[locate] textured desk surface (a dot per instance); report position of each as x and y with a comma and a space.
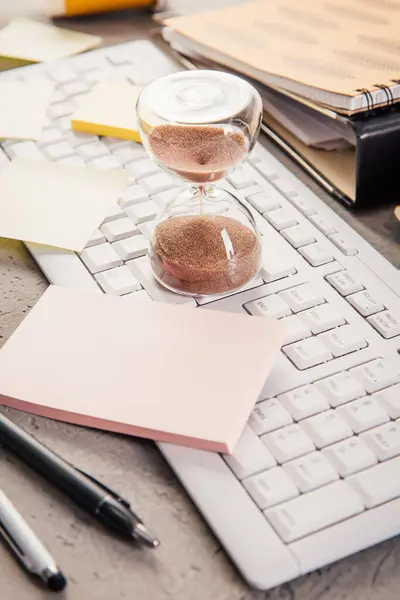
190, 565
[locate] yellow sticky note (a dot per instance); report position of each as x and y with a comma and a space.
23, 107
54, 204
32, 41
109, 109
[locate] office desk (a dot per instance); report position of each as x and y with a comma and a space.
190, 565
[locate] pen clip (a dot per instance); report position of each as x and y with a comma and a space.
106, 489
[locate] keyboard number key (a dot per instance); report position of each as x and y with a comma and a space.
269, 415
364, 414
288, 443
326, 428
350, 456
304, 402
384, 441
340, 388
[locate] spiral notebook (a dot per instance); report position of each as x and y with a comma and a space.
344, 54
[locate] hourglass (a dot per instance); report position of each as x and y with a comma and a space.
199, 126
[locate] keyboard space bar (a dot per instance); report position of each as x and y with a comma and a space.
241, 527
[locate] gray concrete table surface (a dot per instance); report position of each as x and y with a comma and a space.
190, 564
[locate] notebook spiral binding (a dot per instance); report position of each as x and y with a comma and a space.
368, 98
388, 92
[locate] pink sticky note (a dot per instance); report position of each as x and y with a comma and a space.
169, 373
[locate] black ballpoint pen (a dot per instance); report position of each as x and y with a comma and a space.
90, 495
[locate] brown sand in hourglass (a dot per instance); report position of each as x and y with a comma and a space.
204, 254
200, 154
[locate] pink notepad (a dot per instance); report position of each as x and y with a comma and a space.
170, 373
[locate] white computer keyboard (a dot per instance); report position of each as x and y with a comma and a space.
316, 473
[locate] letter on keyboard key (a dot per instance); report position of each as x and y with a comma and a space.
288, 443
379, 484
344, 283
269, 306
301, 297
281, 218
131, 247
311, 471
384, 441
141, 268
307, 353
250, 456
321, 318
304, 402
298, 236
363, 414
316, 254
269, 415
270, 488
350, 456
118, 281
265, 201
386, 323
343, 340
326, 428
340, 388
100, 258
390, 400
314, 511
365, 303
376, 375
276, 265
343, 244
294, 330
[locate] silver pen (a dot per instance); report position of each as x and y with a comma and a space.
27, 547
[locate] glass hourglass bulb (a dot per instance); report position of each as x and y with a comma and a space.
199, 126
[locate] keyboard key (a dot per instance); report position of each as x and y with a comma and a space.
61, 73
288, 443
61, 109
343, 340
147, 229
284, 186
379, 484
344, 244
76, 161
304, 402
242, 177
365, 303
106, 163
314, 511
323, 224
118, 281
114, 213
281, 218
269, 306
142, 168
250, 456
100, 258
270, 488
77, 138
163, 198
307, 353
276, 264
142, 212
321, 318
302, 297
133, 195
304, 205
311, 471
384, 441
128, 154
340, 388
386, 323
265, 201
364, 414
269, 415
97, 238
157, 183
316, 254
344, 283
294, 330
326, 428
132, 247
141, 268
58, 151
298, 236
93, 150
350, 456
49, 136
389, 399
118, 229
74, 88
375, 375
26, 150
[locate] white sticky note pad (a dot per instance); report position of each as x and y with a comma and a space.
109, 109
54, 204
152, 369
23, 108
30, 40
